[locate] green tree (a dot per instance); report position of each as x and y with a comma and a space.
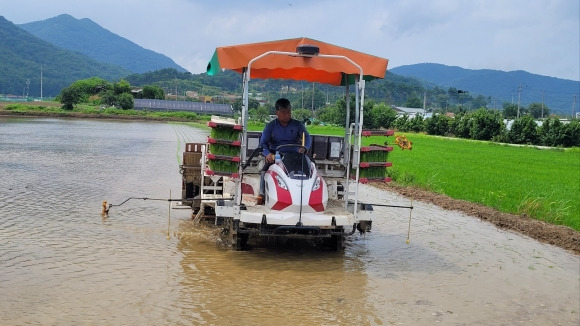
510, 111
438, 124
70, 96
301, 114
523, 131
551, 132
402, 122
485, 124
336, 113
121, 87
416, 124
109, 98
380, 116
538, 110
460, 125
91, 86
331, 114
253, 103
259, 114
125, 101
571, 134
153, 92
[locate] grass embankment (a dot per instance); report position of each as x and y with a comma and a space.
53, 109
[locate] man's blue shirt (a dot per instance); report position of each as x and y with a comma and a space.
275, 134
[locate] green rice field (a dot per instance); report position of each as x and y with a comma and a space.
540, 183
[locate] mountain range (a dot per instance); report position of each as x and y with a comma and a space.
558, 94
89, 38
67, 49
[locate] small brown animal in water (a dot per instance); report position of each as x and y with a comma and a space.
105, 210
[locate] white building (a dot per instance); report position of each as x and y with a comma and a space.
410, 112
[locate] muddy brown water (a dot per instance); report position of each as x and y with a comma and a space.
61, 263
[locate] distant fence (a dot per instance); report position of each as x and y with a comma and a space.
197, 107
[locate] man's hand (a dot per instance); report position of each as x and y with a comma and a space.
270, 158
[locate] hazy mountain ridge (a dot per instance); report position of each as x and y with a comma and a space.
502, 86
92, 40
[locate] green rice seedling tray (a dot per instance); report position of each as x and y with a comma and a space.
224, 149
225, 132
223, 166
375, 153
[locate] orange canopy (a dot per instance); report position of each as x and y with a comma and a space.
333, 71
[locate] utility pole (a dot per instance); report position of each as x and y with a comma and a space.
542, 105
424, 103
312, 99
41, 82
574, 107
519, 96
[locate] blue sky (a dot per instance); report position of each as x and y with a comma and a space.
539, 36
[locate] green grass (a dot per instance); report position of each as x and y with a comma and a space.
540, 183
94, 111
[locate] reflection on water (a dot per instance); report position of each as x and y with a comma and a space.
61, 263
271, 286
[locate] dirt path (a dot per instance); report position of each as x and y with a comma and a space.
557, 235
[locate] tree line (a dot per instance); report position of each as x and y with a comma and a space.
481, 124
97, 91
313, 105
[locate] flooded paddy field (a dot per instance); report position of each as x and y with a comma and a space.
61, 263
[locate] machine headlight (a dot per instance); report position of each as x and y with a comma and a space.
280, 182
316, 185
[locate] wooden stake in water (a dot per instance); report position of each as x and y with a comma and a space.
169, 215
409, 230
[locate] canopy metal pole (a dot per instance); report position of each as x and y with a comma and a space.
347, 136
244, 123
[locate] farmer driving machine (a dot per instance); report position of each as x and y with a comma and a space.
311, 194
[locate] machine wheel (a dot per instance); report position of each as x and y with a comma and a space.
337, 242
237, 240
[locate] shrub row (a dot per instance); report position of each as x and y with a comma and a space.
489, 125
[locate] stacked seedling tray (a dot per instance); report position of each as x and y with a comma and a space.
223, 156
191, 170
374, 159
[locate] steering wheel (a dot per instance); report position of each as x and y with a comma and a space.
292, 145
